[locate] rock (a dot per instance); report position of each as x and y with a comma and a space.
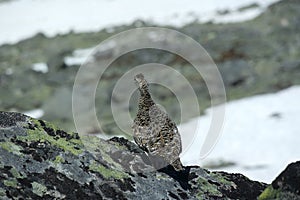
41, 161
236, 72
290, 66
286, 186
248, 7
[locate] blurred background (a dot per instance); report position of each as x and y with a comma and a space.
255, 45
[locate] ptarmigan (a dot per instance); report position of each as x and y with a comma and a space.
153, 130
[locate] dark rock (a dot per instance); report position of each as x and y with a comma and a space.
248, 7
236, 72
289, 179
8, 119
276, 115
290, 66
223, 12
40, 161
286, 186
243, 184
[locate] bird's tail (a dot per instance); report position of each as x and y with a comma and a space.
177, 165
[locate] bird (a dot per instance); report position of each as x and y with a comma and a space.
153, 130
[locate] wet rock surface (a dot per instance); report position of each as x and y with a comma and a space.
41, 161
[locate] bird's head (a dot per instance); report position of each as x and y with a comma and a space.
140, 81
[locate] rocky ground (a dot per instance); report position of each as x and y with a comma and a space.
41, 161
257, 56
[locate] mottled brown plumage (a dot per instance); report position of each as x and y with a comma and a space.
153, 130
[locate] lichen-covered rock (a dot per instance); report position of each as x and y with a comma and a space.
286, 186
41, 161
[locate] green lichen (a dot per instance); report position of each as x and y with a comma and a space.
11, 147
38, 189
49, 125
2, 192
59, 159
221, 179
73, 146
108, 159
15, 173
37, 135
11, 183
269, 193
94, 144
107, 173
116, 144
161, 176
207, 188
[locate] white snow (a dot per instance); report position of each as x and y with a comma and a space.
40, 67
21, 19
79, 56
260, 135
37, 113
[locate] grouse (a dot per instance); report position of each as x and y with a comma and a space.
153, 130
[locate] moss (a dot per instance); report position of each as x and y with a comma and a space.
73, 146
59, 159
11, 147
11, 183
38, 189
107, 173
269, 193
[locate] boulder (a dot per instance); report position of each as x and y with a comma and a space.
286, 186
40, 161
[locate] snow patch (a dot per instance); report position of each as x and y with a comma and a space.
37, 113
260, 134
24, 18
40, 67
79, 56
